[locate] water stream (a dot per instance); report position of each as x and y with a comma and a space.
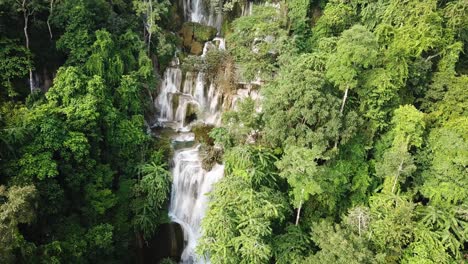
182, 102
186, 99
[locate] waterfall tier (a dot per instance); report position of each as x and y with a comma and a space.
185, 99
195, 11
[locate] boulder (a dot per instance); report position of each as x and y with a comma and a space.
196, 48
194, 35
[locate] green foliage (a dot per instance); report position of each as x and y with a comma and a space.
237, 224
339, 246
16, 62
298, 166
244, 123
291, 246
392, 224
211, 64
360, 127
167, 261
199, 32
202, 132
77, 19
445, 181
16, 207
256, 42
397, 163
298, 22
304, 112
151, 193
337, 17
356, 51
79, 141
221, 137
241, 234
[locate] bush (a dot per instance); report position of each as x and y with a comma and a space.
201, 132
210, 156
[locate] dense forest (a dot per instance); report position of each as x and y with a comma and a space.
355, 149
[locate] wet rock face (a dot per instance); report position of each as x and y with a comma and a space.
194, 35
168, 242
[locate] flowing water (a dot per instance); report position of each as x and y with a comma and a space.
195, 11
185, 99
178, 98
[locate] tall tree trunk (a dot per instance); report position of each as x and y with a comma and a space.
345, 96
26, 36
298, 213
149, 43
400, 168
140, 249
359, 224
150, 25
51, 10
299, 208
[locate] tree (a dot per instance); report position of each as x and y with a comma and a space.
238, 224
244, 205
299, 168
304, 112
397, 162
256, 42
105, 59
291, 246
356, 51
150, 11
337, 245
243, 123
27, 8
16, 63
151, 193
337, 17
445, 180
391, 225
16, 207
52, 3
358, 218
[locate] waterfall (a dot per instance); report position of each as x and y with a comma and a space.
194, 11
188, 198
185, 99
179, 97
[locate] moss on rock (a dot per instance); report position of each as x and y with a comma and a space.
194, 35
204, 33
196, 48
210, 156
201, 132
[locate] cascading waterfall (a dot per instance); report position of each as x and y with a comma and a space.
188, 198
183, 101
191, 182
194, 11
176, 98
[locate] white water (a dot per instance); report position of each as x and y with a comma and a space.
191, 182
194, 11
188, 198
182, 102
177, 96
